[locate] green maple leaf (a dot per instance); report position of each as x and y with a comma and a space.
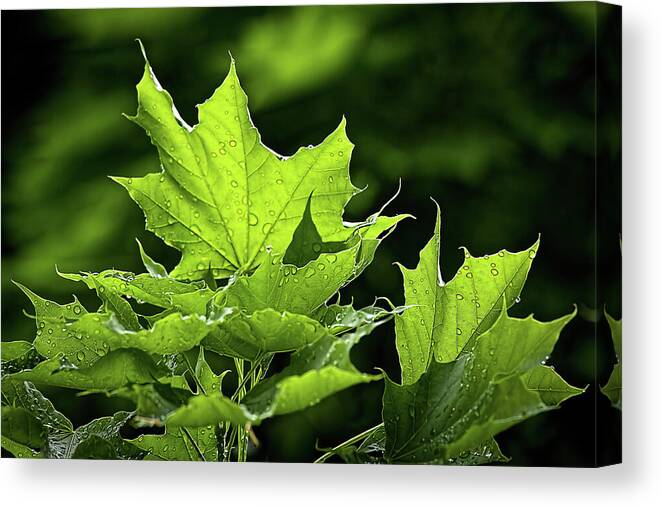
443, 317
305, 289
22, 433
454, 409
208, 381
263, 332
18, 355
85, 337
180, 444
99, 438
112, 286
223, 197
113, 370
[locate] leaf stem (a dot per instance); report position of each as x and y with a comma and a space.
248, 376
194, 443
346, 443
193, 374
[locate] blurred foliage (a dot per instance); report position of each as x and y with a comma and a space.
489, 108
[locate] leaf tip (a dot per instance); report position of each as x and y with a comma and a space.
119, 180
142, 50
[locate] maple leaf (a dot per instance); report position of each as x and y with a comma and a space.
223, 197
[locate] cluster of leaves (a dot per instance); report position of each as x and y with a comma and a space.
264, 251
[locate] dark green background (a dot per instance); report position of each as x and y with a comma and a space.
488, 108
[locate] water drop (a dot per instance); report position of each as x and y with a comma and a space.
252, 219
460, 296
234, 183
232, 143
494, 272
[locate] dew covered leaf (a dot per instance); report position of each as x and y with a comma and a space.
482, 454
455, 407
84, 337
172, 334
21, 432
339, 318
222, 196
18, 355
164, 292
443, 317
105, 429
613, 388
16, 350
61, 440
303, 290
21, 394
19, 450
209, 382
114, 370
179, 444
51, 336
211, 409
307, 243
286, 287
263, 332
